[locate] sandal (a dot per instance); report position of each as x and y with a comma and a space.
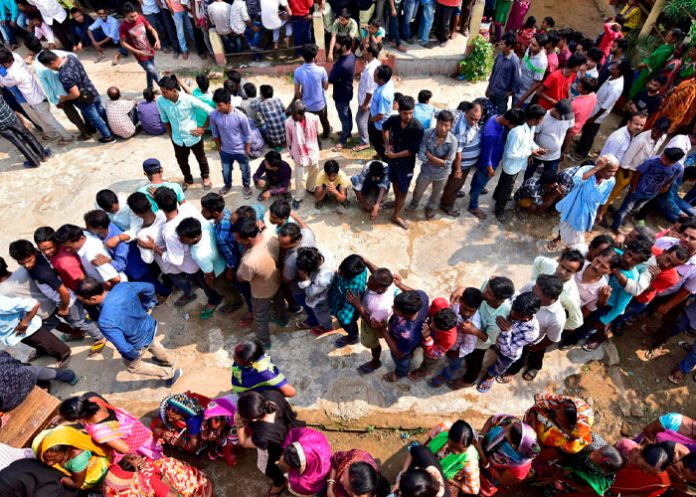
207, 311
591, 347
360, 148
345, 341
367, 368
302, 324
437, 381
429, 214
673, 379
97, 347
417, 374
504, 379
390, 377
277, 492
184, 299
530, 374
485, 385
451, 211
458, 384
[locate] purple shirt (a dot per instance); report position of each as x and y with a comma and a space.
232, 129
150, 118
277, 181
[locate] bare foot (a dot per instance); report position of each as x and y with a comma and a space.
478, 213
360, 148
400, 222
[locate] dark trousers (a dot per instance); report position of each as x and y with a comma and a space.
549, 165
170, 28
25, 142
185, 282
449, 195
478, 183
272, 469
46, 343
324, 119
589, 131
376, 140
62, 32
533, 360
668, 320
443, 16
302, 31
474, 362
75, 117
502, 193
181, 152
157, 21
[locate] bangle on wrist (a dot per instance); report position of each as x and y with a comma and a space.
331, 482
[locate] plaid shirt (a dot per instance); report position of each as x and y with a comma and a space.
340, 307
510, 343
359, 179
225, 240
532, 190
565, 178
7, 115
273, 113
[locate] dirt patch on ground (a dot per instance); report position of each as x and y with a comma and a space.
581, 15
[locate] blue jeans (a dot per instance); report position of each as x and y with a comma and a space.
689, 362
158, 23
402, 365
426, 24
346, 117
99, 35
549, 165
393, 34
453, 366
95, 114
312, 320
301, 27
227, 163
150, 71
253, 37
634, 200
633, 309
410, 7
478, 183
669, 205
183, 26
232, 43
8, 33
691, 195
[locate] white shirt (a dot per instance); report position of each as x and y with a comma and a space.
642, 147
238, 17
367, 82
50, 10
617, 143
589, 292
607, 95
219, 13
44, 31
154, 231
681, 142
518, 147
179, 254
269, 13
550, 135
18, 75
93, 247
552, 318
125, 218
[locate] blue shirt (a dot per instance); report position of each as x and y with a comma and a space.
181, 115
579, 207
382, 103
119, 254
226, 243
619, 296
124, 320
12, 311
232, 129
654, 175
505, 76
492, 143
312, 78
423, 113
109, 27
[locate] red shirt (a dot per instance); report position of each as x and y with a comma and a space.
439, 341
666, 279
556, 86
68, 268
135, 34
300, 8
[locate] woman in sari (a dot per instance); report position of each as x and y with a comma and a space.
679, 106
219, 431
500, 17
253, 370
673, 66
74, 454
644, 474
682, 475
263, 421
307, 457
506, 447
136, 476
516, 19
355, 472
180, 422
561, 423
672, 427
655, 61
111, 426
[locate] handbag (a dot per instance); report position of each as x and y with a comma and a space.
86, 97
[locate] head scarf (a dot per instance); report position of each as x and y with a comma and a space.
182, 403
222, 406
64, 435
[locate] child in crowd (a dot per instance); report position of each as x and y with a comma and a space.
219, 431
518, 330
316, 272
331, 183
149, 115
371, 186
254, 370
272, 177
547, 24
351, 278
280, 213
465, 308
423, 111
372, 33
439, 336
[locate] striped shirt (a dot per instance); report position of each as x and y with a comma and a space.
468, 141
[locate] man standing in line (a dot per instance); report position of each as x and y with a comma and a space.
341, 77
381, 106
134, 37
366, 88
505, 76
301, 135
311, 82
178, 114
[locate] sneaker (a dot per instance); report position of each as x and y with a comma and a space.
224, 190
177, 374
107, 139
296, 204
247, 192
72, 381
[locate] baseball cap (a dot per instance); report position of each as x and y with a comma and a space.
151, 165
565, 109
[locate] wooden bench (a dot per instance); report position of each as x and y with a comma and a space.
21, 425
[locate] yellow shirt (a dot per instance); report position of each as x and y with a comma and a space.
341, 180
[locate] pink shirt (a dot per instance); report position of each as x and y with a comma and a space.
177, 6
582, 108
68, 268
609, 37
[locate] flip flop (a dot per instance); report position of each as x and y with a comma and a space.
674, 381
97, 347
504, 379
485, 385
458, 384
530, 374
390, 377
207, 312
437, 381
367, 369
360, 148
417, 374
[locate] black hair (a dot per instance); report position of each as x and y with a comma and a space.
246, 212
68, 233
231, 87
21, 249
552, 38
502, 287
373, 48
149, 95
3, 268
677, 33
541, 39
352, 266
548, 178
689, 461
397, 97
674, 154
266, 91
424, 96
526, 304
138, 203
461, 432
309, 52
613, 256
309, 259
417, 483
168, 82
660, 78
612, 460
345, 13
213, 202
89, 287
331, 167
97, 219
6, 56
249, 351
407, 103
344, 41
363, 478
662, 124
535, 111
44, 234
576, 60
33, 44
383, 73
249, 90
222, 96
595, 54
445, 116
530, 22
252, 405
657, 456
510, 40
383, 277
247, 228
641, 247
514, 116
570, 411
189, 227
106, 199
273, 158
376, 168
587, 44
166, 199
408, 302
551, 285
73, 10
572, 255
291, 457
689, 223
549, 21
689, 173
126, 465
290, 230
602, 240
590, 84
47, 57
375, 22
472, 297
78, 407
445, 319
128, 8
203, 82
281, 209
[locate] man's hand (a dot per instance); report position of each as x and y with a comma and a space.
375, 211
331, 189
21, 327
364, 107
63, 311
397, 279
503, 323
654, 271
458, 173
100, 260
491, 171
389, 154
352, 299
198, 131
426, 331
157, 45
266, 195
604, 294
261, 183
78, 47
112, 242
148, 244
538, 151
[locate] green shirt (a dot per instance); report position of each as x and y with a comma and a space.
488, 324
350, 29
206, 98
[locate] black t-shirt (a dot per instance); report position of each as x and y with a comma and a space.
408, 138
42, 273
648, 103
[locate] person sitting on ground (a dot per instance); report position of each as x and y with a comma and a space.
644, 473
218, 429
253, 369
439, 336
331, 183
307, 460
343, 25
273, 112
592, 470
455, 447
351, 278
316, 272
149, 115
371, 186
121, 114
538, 195
180, 421
272, 176
423, 112
104, 31
563, 424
